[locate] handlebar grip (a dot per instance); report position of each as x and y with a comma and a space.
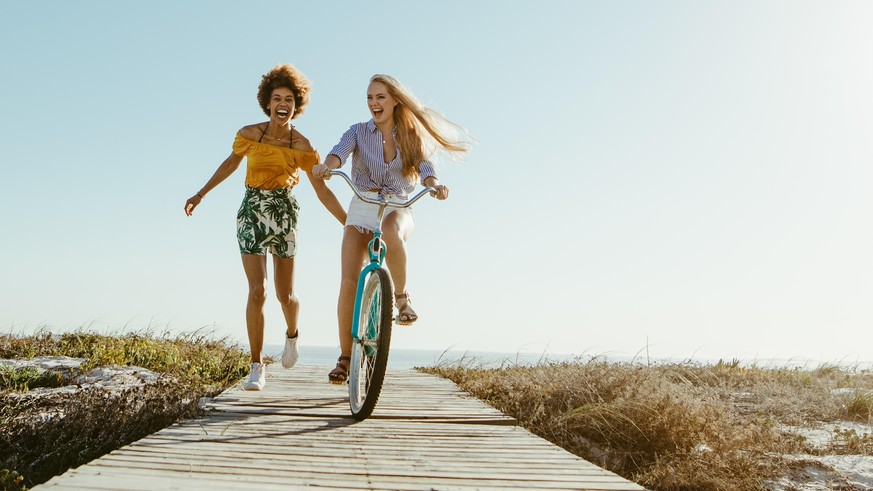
329, 173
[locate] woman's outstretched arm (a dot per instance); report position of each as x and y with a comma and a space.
327, 198
230, 164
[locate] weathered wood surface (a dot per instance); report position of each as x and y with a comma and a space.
425, 434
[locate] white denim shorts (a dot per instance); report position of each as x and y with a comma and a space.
364, 216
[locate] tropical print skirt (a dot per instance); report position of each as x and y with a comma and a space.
267, 222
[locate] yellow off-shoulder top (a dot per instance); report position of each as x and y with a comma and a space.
272, 167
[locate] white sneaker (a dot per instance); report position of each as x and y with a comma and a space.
257, 380
289, 356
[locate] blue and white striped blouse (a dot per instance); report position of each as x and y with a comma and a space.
369, 171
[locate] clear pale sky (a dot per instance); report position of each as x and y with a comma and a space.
691, 178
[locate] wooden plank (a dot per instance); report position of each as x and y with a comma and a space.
387, 460
352, 470
425, 434
294, 458
363, 473
530, 460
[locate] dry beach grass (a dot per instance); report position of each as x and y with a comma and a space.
685, 426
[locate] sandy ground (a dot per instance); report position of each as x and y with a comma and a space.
828, 472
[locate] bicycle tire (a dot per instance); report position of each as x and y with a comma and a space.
370, 351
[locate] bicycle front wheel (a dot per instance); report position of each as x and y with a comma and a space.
370, 349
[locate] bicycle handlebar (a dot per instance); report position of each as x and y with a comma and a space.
365, 199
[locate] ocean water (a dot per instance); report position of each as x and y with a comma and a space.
411, 358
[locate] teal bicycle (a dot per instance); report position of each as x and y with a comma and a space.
372, 317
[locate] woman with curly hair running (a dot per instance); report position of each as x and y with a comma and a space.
390, 152
267, 218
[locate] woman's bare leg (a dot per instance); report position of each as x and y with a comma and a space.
283, 268
354, 253
397, 228
256, 273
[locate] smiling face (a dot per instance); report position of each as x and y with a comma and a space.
282, 105
380, 102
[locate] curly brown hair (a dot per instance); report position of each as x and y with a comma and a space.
284, 76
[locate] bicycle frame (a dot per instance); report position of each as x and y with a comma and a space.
371, 340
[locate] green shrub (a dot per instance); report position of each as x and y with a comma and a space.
24, 379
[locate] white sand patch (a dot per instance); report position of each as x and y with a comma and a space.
43, 363
810, 478
827, 472
110, 377
820, 437
856, 469
117, 376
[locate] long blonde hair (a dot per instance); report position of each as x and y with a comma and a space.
421, 131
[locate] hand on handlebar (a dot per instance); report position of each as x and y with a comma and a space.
321, 171
440, 192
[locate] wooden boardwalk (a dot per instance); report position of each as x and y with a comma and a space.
425, 434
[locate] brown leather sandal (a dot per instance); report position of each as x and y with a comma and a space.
340, 373
405, 314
